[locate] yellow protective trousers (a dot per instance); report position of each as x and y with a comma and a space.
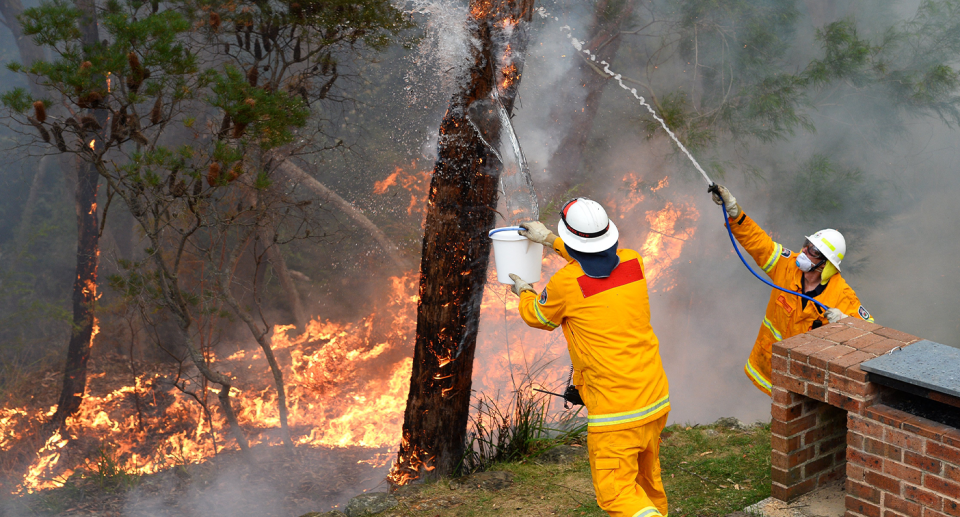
625, 466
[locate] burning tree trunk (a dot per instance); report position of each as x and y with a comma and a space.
584, 91
88, 259
456, 249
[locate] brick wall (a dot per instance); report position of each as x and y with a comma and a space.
900, 465
817, 381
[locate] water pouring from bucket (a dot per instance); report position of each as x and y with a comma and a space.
514, 253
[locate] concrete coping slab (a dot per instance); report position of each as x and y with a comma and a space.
930, 365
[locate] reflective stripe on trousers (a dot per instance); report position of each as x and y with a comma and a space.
627, 416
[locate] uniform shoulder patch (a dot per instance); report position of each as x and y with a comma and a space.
863, 313
786, 253
543, 297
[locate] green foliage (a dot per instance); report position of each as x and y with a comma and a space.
506, 434
17, 99
111, 473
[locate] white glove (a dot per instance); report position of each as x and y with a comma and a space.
520, 286
733, 209
834, 315
537, 232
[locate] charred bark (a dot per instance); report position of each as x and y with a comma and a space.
456, 249
580, 96
88, 259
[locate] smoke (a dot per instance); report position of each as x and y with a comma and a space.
884, 176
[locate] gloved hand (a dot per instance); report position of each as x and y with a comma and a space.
834, 315
537, 232
520, 286
733, 209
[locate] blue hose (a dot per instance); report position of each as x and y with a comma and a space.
764, 280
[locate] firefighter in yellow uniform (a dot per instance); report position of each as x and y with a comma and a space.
600, 300
814, 271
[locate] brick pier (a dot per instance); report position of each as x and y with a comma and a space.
829, 423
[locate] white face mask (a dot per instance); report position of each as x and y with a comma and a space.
804, 262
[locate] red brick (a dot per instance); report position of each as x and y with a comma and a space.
860, 506
836, 473
887, 415
855, 373
806, 372
842, 401
945, 453
785, 445
925, 428
885, 483
951, 437
823, 357
867, 460
826, 330
854, 472
924, 497
883, 346
891, 513
837, 443
820, 432
861, 324
785, 493
803, 351
788, 429
784, 397
922, 462
791, 343
786, 382
951, 507
845, 335
864, 341
817, 392
899, 470
847, 385
796, 457
897, 503
901, 439
927, 512
851, 359
786, 477
863, 491
854, 440
778, 363
882, 449
942, 486
951, 472
817, 466
865, 426
786, 413
896, 334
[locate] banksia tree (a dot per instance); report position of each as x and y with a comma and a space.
152, 61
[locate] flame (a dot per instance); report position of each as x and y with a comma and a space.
346, 386
346, 382
92, 144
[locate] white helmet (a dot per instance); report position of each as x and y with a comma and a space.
830, 244
585, 227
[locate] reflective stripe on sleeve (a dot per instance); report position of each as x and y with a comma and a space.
772, 261
543, 319
627, 416
647, 512
758, 377
776, 335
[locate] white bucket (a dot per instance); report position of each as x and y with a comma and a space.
514, 253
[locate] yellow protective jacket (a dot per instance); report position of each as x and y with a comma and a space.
787, 315
615, 354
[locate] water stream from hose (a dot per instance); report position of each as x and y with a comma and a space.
606, 69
